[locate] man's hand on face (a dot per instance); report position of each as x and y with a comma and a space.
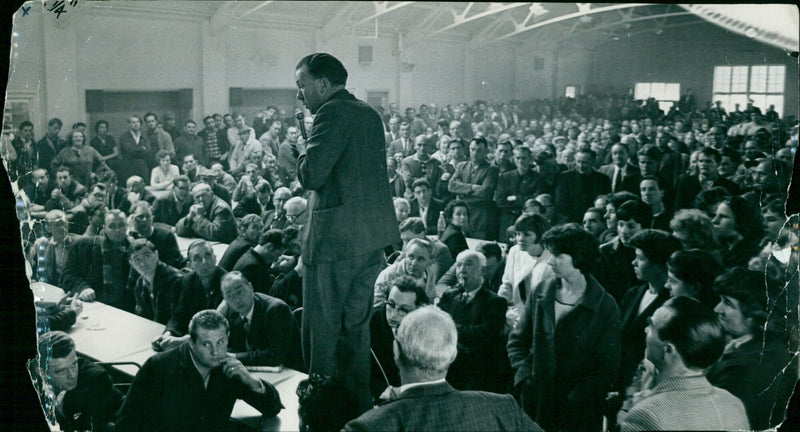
233, 368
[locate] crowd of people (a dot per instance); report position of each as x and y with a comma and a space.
620, 271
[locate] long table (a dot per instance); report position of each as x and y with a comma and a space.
107, 334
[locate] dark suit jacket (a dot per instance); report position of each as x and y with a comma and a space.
381, 342
216, 223
523, 187
46, 150
440, 407
572, 199
235, 250
455, 240
432, 217
762, 376
631, 177
166, 289
338, 161
84, 269
193, 299
687, 187
274, 336
249, 205
632, 335
167, 211
670, 167
613, 268
135, 157
256, 270
168, 395
479, 323
167, 246
92, 403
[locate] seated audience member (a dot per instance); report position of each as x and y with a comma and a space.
68, 192
158, 286
683, 339
275, 218
583, 337
594, 222
480, 316
274, 174
424, 349
223, 178
613, 201
322, 404
81, 392
474, 181
691, 273
263, 331
738, 225
136, 191
415, 263
526, 265
200, 289
48, 256
412, 228
396, 182
576, 189
456, 216
194, 386
425, 206
258, 203
209, 218
191, 168
141, 226
96, 216
687, 187
38, 190
256, 262
515, 188
162, 176
97, 268
770, 176
653, 249
288, 285
289, 151
169, 209
402, 208
420, 165
613, 269
210, 178
78, 216
756, 365
404, 296
248, 183
250, 228
495, 265
295, 211
652, 193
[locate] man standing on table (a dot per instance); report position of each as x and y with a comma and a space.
351, 221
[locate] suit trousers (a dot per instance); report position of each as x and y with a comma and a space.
337, 305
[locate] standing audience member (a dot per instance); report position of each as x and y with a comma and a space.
190, 143
135, 150
425, 347
577, 188
738, 225
107, 146
50, 145
515, 187
691, 273
474, 182
572, 322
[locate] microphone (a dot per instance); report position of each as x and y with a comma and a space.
300, 117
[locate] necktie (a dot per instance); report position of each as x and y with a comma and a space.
617, 178
246, 325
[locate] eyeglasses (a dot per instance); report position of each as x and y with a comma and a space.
401, 310
295, 216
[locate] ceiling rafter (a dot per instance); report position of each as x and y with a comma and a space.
614, 24
381, 8
263, 4
522, 28
461, 18
336, 25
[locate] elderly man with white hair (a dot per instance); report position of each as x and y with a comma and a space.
425, 346
480, 316
295, 210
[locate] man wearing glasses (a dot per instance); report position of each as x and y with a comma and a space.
295, 208
405, 295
